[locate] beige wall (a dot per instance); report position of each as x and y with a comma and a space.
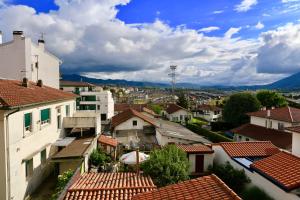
271, 123
208, 160
127, 125
256, 179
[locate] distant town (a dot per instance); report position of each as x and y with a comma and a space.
71, 140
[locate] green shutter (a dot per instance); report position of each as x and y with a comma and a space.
27, 117
45, 114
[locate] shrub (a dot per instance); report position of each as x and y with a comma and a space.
98, 157
221, 126
62, 181
255, 193
166, 166
235, 179
212, 136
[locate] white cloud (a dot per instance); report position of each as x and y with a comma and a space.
259, 25
209, 29
232, 31
245, 5
218, 11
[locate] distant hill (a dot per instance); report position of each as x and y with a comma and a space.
289, 83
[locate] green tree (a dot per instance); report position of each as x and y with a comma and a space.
270, 99
62, 181
98, 157
156, 108
237, 106
166, 166
235, 179
255, 193
182, 100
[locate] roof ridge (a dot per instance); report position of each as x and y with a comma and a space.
110, 188
289, 109
224, 186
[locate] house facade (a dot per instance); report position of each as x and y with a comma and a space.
29, 125
208, 112
177, 113
22, 58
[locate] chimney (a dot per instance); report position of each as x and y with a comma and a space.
41, 44
1, 37
268, 113
40, 83
17, 35
25, 82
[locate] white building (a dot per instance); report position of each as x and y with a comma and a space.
177, 113
275, 172
22, 58
31, 119
208, 112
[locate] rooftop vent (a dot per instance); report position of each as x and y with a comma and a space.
40, 83
25, 82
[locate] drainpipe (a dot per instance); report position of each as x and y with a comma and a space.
7, 150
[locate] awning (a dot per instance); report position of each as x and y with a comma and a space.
62, 142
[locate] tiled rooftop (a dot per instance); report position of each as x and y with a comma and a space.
204, 188
120, 107
249, 149
280, 139
286, 114
282, 168
13, 94
109, 186
198, 148
174, 108
107, 141
127, 114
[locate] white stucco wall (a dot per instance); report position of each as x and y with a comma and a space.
208, 160
128, 125
271, 123
209, 116
296, 144
256, 179
26, 145
18, 59
177, 114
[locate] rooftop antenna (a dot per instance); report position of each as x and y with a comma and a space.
173, 77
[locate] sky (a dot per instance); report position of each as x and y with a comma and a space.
224, 42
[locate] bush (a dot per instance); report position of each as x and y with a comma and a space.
221, 126
98, 157
255, 193
212, 136
235, 179
167, 166
62, 181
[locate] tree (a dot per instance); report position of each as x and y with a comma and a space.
167, 166
156, 108
62, 181
182, 101
98, 157
235, 179
237, 106
271, 99
255, 192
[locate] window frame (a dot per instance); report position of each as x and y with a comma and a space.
47, 121
29, 166
134, 122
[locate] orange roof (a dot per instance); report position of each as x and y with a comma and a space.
282, 168
173, 108
120, 107
206, 187
13, 94
198, 148
109, 186
249, 148
286, 114
107, 140
127, 114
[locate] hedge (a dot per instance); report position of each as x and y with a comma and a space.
212, 136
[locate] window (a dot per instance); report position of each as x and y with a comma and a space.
266, 124
270, 125
45, 116
280, 126
98, 107
103, 117
29, 168
134, 123
58, 122
28, 121
247, 139
68, 110
43, 156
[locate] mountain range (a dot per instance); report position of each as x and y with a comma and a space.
289, 83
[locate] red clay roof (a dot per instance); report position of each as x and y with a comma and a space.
197, 148
107, 140
120, 107
13, 94
111, 186
127, 114
282, 168
173, 108
280, 139
249, 148
286, 114
64, 83
209, 107
206, 187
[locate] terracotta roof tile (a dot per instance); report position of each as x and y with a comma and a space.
173, 108
249, 149
282, 168
120, 107
286, 114
197, 148
112, 186
206, 187
64, 83
13, 94
127, 114
107, 140
280, 139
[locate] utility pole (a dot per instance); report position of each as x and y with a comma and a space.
173, 78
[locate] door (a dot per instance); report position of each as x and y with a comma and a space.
199, 163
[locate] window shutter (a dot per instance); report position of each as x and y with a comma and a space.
45, 114
27, 119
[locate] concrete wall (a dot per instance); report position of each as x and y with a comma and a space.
18, 59
25, 145
271, 123
256, 179
296, 144
128, 125
208, 160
